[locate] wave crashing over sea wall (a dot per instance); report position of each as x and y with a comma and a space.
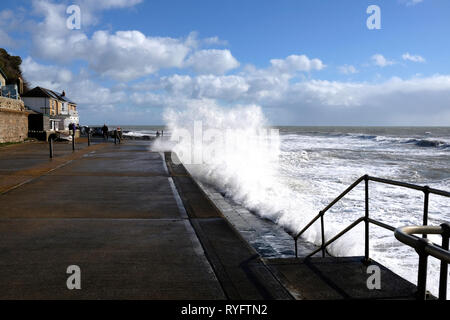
234, 150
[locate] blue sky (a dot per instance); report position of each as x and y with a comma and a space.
302, 62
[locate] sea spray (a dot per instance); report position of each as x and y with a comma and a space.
234, 150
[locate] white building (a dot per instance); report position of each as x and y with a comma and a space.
60, 109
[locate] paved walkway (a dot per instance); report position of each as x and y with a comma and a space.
114, 211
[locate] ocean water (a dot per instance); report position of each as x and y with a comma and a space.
290, 178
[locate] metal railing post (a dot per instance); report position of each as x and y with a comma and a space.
50, 145
322, 227
426, 191
422, 274
444, 264
366, 218
296, 248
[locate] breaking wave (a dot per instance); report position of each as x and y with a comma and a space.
250, 172
414, 141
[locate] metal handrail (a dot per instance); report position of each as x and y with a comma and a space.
425, 248
367, 220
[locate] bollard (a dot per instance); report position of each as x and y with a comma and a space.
73, 140
50, 144
89, 138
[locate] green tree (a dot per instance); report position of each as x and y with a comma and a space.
11, 67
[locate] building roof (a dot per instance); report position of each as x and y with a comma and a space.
39, 92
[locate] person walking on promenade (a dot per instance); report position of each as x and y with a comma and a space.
117, 135
72, 128
105, 132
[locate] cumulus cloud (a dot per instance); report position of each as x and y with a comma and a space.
108, 54
126, 55
122, 55
79, 87
381, 61
413, 58
295, 63
47, 76
212, 61
395, 101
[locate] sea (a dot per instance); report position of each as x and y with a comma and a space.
287, 182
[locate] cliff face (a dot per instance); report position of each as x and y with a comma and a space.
11, 67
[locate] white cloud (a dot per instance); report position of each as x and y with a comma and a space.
122, 55
395, 101
381, 61
215, 41
294, 63
347, 69
413, 58
45, 76
109, 4
127, 55
91, 10
411, 2
212, 61
79, 88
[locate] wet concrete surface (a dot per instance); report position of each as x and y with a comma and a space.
111, 210
269, 239
239, 268
118, 258
334, 278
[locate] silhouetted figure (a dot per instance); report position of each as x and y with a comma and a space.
72, 127
157, 133
105, 132
118, 135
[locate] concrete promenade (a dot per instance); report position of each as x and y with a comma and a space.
138, 228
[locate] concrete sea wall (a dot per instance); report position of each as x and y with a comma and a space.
13, 120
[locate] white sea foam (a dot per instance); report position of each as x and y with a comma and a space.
248, 173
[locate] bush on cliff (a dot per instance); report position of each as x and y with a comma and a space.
11, 67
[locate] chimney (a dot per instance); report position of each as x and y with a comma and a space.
63, 93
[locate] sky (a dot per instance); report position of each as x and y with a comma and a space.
303, 62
